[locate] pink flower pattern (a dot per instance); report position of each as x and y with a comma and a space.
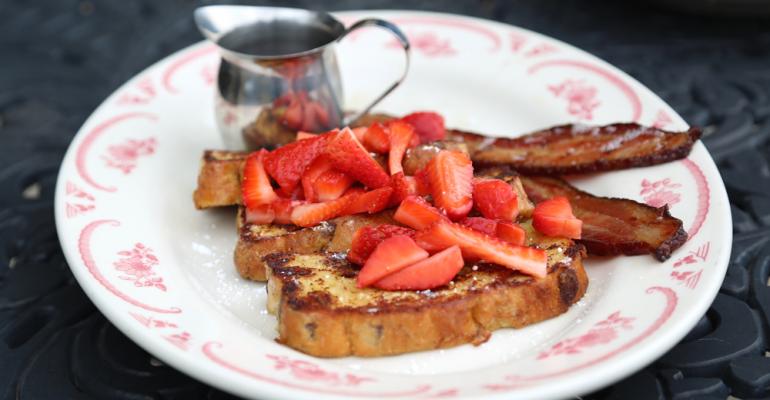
309, 371
84, 201
660, 192
180, 340
428, 43
142, 93
152, 322
581, 97
518, 41
541, 49
137, 264
209, 74
124, 156
690, 277
602, 332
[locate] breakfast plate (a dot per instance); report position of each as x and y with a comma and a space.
162, 272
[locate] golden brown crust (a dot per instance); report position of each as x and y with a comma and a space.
219, 179
315, 322
614, 226
573, 149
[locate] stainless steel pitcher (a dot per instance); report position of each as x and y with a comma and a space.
278, 72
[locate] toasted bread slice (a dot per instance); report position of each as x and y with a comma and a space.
256, 241
321, 312
219, 179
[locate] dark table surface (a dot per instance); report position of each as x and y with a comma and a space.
60, 59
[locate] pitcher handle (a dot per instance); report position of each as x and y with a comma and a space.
392, 28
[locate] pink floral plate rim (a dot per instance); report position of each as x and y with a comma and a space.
120, 261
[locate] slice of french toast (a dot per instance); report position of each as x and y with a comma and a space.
256, 241
323, 313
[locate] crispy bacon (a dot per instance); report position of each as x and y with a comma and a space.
614, 226
570, 149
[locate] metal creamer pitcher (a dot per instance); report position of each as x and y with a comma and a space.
278, 72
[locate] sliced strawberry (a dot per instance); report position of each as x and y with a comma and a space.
367, 202
422, 182
366, 239
296, 194
415, 212
437, 270
312, 214
286, 164
359, 132
444, 234
255, 186
495, 199
283, 208
401, 135
377, 138
391, 255
554, 217
429, 126
450, 174
510, 232
402, 188
349, 156
331, 185
317, 167
485, 225
261, 214
305, 135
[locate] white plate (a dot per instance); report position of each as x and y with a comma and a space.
162, 272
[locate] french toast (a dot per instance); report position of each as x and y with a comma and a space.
256, 240
323, 313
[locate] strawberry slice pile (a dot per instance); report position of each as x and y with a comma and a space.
446, 216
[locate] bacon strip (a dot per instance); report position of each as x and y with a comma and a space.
571, 149
614, 226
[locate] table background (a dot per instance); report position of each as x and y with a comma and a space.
60, 59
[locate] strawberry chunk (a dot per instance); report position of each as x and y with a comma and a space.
256, 189
444, 234
261, 214
437, 270
359, 133
495, 199
293, 114
311, 214
366, 239
282, 209
401, 135
391, 255
510, 232
377, 138
319, 114
415, 212
349, 156
286, 164
554, 217
451, 181
305, 135
331, 185
317, 167
422, 182
428, 126
485, 225
403, 187
371, 201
